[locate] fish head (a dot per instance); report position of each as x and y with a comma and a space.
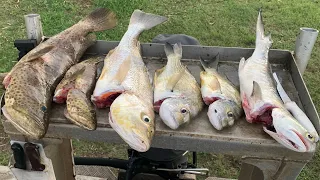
133, 120
28, 121
289, 132
80, 110
223, 113
175, 112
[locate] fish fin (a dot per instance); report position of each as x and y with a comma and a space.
260, 37
256, 91
168, 49
175, 79
156, 74
241, 64
146, 20
214, 83
123, 70
213, 64
37, 54
284, 96
100, 19
110, 52
177, 49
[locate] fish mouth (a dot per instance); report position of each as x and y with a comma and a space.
299, 145
129, 136
105, 99
35, 130
168, 117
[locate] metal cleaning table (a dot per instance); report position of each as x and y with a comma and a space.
262, 157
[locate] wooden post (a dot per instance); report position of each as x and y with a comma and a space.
34, 27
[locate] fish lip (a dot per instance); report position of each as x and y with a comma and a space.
22, 128
138, 144
301, 138
174, 124
295, 147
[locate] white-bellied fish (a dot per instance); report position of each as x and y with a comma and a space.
31, 82
177, 94
220, 94
124, 84
260, 99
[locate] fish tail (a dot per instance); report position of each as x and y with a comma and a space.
212, 64
146, 20
99, 20
174, 54
261, 39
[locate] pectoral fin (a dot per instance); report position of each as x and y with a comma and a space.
39, 53
174, 79
156, 74
256, 91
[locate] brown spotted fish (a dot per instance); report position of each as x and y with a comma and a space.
75, 89
32, 81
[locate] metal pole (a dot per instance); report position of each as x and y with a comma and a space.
304, 44
33, 27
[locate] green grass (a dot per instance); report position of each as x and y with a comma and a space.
218, 23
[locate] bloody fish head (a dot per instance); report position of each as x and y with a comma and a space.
133, 120
288, 132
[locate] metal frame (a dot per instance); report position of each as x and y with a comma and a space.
244, 139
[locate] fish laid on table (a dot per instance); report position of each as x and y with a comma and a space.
221, 95
124, 85
294, 109
75, 89
261, 102
177, 95
31, 82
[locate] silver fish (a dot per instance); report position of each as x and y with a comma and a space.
261, 102
221, 95
177, 94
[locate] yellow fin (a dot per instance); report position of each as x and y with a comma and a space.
174, 79
210, 80
156, 74
123, 70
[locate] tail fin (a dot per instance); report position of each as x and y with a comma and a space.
146, 20
260, 37
175, 50
213, 65
100, 19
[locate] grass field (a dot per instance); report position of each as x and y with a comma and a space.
218, 23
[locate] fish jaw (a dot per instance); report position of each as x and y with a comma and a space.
175, 112
223, 113
288, 132
80, 111
27, 124
133, 120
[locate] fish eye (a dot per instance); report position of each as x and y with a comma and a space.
310, 136
183, 110
146, 119
230, 114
